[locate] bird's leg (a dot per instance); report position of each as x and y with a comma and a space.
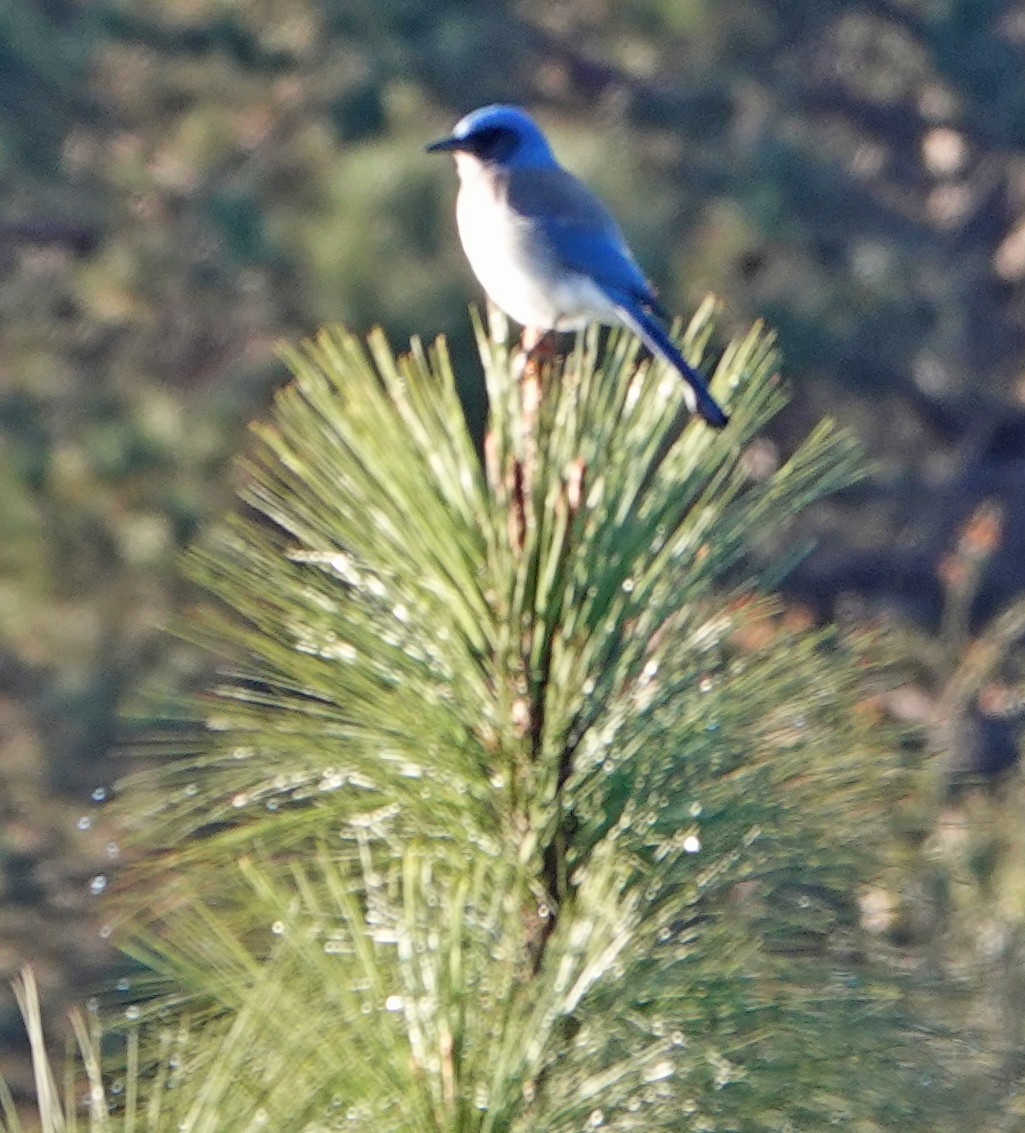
538, 347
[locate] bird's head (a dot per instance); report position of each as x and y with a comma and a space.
496, 135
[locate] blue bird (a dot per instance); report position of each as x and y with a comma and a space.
545, 249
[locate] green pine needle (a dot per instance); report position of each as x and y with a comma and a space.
546, 818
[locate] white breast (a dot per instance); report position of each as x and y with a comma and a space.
513, 262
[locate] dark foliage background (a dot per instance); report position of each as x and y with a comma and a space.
184, 184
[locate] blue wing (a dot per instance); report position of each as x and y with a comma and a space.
577, 229
580, 233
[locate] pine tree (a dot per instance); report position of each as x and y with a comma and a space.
521, 804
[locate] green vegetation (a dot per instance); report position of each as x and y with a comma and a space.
186, 185
520, 807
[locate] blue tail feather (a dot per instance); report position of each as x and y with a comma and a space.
657, 340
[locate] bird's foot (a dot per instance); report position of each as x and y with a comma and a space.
538, 348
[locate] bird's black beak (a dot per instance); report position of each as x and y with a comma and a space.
443, 145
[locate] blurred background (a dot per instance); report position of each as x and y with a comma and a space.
186, 184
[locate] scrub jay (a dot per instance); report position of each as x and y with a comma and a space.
543, 246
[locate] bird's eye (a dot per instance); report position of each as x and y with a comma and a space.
495, 143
